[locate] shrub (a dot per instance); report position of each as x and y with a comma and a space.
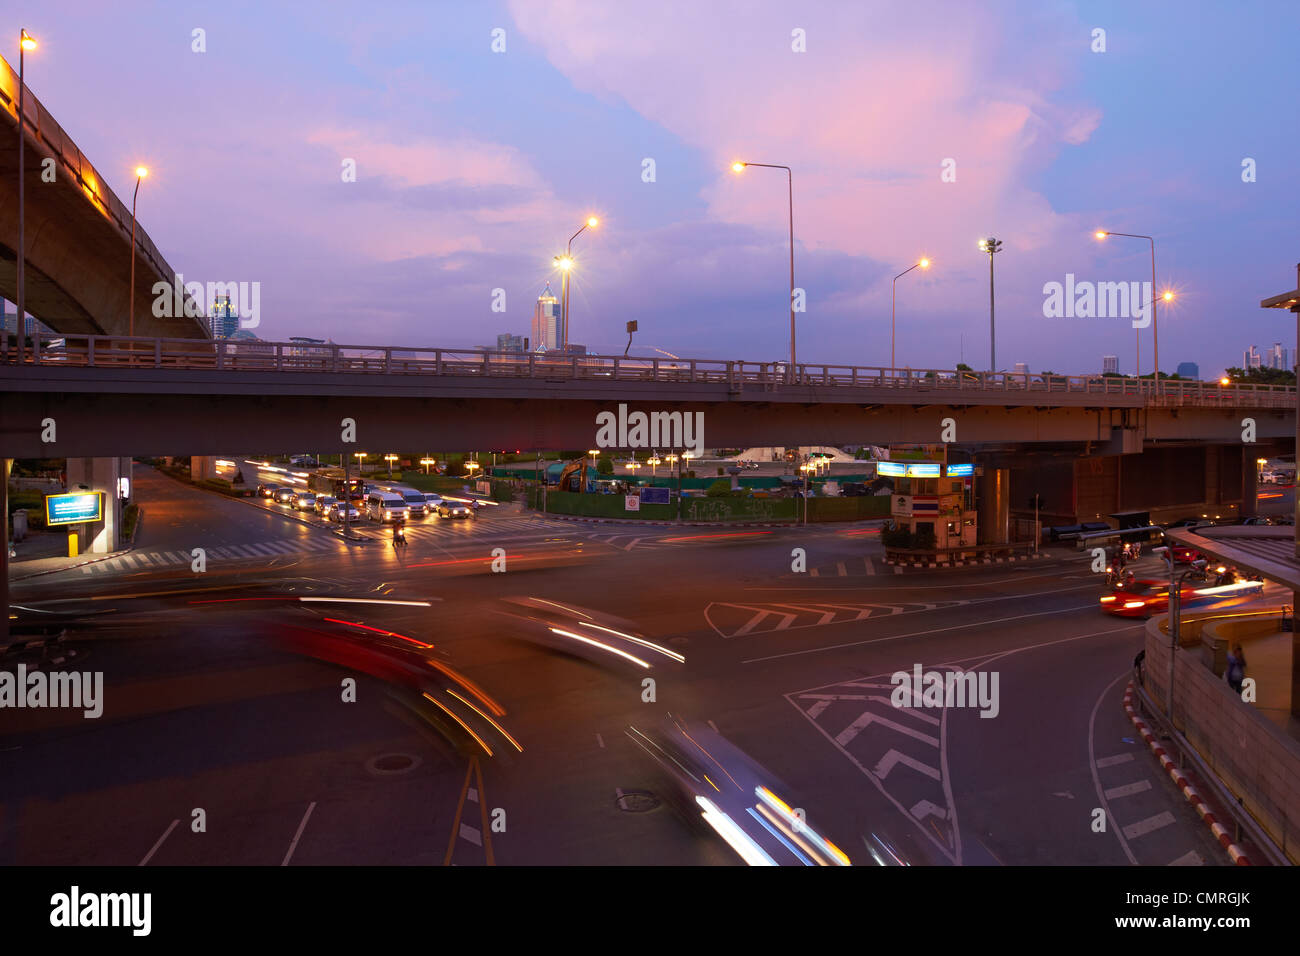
896, 538
719, 489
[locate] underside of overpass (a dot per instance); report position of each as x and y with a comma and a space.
77, 234
1171, 481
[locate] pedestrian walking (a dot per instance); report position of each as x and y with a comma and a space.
1236, 672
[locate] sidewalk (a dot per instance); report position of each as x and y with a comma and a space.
47, 552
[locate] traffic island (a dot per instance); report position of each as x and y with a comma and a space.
962, 557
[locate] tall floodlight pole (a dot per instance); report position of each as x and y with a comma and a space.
739, 167
991, 246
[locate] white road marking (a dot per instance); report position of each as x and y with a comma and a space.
1150, 824
868, 718
1190, 858
936, 630
871, 567
472, 794
471, 834
601, 741
839, 566
893, 758
1128, 789
1113, 761
298, 835
149, 856
924, 808
816, 709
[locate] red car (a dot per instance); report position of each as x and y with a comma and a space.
1146, 597
1183, 554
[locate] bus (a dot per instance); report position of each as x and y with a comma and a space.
332, 482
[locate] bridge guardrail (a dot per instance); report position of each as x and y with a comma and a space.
108, 351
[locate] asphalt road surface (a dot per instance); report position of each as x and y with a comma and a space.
224, 741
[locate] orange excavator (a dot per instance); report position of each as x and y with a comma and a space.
574, 476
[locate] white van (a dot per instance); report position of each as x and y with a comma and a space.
415, 501
384, 506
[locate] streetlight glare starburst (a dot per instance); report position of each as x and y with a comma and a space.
564, 262
1167, 295
737, 167
1101, 233
593, 222
141, 172
27, 41
924, 263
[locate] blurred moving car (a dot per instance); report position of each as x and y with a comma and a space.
1144, 597
714, 783
586, 633
283, 496
303, 500
453, 509
431, 501
323, 503
267, 489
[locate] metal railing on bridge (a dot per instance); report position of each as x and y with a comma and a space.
111, 352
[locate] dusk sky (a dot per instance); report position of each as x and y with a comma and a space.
474, 167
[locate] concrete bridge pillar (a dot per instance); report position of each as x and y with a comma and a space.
100, 474
993, 489
203, 466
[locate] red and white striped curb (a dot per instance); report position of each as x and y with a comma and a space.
1193, 797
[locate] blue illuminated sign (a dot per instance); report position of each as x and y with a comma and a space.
74, 509
961, 471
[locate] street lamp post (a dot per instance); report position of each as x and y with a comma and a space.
991, 245
565, 265
390, 459
140, 173
924, 264
739, 167
25, 43
1155, 318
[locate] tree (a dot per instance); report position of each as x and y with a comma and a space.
604, 466
1260, 376
719, 489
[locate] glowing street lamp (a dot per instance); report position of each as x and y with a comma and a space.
740, 167
922, 263
565, 263
140, 173
1155, 318
25, 42
390, 459
426, 462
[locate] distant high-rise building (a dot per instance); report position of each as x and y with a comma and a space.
1021, 368
223, 320
1109, 363
1189, 370
1251, 359
546, 321
1277, 357
507, 342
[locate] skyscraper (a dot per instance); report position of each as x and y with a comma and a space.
507, 342
1021, 368
1277, 357
546, 321
1189, 370
223, 320
1109, 363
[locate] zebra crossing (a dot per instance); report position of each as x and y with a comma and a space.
153, 560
